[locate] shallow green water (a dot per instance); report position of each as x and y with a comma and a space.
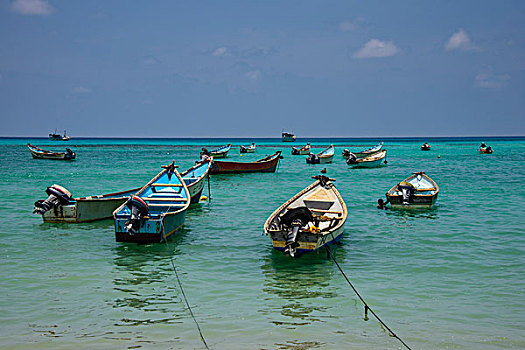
451, 277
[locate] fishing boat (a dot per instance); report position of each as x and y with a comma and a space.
221, 152
248, 149
484, 149
364, 153
156, 211
309, 220
416, 191
265, 165
301, 151
322, 157
39, 153
59, 207
372, 161
57, 137
425, 147
194, 178
288, 137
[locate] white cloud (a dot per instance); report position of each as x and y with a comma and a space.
32, 7
459, 41
489, 80
253, 75
220, 52
347, 26
82, 90
377, 48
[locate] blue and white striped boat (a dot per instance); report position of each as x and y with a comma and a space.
221, 152
372, 161
156, 211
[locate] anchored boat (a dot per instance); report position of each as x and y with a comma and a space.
425, 147
248, 149
194, 178
59, 207
364, 153
156, 211
416, 191
371, 161
57, 137
221, 152
265, 165
288, 137
322, 157
309, 220
39, 153
484, 149
301, 151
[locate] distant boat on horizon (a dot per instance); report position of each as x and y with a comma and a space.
57, 137
288, 137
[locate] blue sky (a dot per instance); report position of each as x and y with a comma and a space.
248, 68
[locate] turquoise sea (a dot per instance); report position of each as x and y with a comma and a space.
452, 277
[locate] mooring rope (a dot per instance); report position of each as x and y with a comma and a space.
182, 289
367, 308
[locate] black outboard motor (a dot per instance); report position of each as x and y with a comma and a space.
346, 152
312, 159
58, 195
295, 151
139, 209
408, 191
352, 159
70, 154
293, 220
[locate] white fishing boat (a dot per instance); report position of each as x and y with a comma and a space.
322, 157
248, 149
309, 220
416, 191
301, 151
372, 161
364, 153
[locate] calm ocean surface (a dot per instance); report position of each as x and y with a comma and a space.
448, 278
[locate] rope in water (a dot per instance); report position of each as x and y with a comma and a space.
182, 290
367, 308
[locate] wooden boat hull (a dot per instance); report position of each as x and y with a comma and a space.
425, 194
167, 199
38, 153
195, 177
151, 231
324, 157
372, 161
265, 165
300, 151
423, 148
322, 199
221, 152
88, 209
373, 150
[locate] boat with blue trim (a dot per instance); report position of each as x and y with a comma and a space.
309, 220
156, 211
416, 191
220, 152
195, 176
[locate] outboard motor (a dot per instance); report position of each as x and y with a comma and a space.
312, 158
295, 151
346, 152
352, 159
293, 220
407, 189
139, 209
58, 195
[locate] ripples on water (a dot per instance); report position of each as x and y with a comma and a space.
449, 277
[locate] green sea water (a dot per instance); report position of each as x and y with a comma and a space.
451, 277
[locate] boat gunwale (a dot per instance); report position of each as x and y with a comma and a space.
389, 192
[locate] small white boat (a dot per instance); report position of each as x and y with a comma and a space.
372, 161
309, 220
364, 153
323, 157
301, 151
416, 191
248, 149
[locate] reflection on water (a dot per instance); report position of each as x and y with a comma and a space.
144, 283
415, 213
303, 284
